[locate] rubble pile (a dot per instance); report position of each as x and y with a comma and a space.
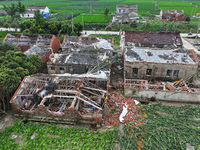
116, 104
182, 85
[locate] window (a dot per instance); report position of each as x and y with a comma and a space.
124, 10
62, 69
176, 73
52, 68
135, 71
148, 73
169, 73
119, 10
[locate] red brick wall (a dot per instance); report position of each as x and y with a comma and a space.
24, 47
46, 57
55, 43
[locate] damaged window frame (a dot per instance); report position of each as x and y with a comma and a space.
53, 68
169, 73
176, 72
135, 72
62, 68
148, 72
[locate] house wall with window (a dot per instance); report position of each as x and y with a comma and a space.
158, 71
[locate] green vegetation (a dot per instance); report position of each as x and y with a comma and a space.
164, 127
53, 137
116, 39
3, 34
93, 18
14, 65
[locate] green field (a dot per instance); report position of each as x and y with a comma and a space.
93, 18
49, 137
99, 6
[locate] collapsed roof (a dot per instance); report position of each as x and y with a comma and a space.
153, 38
79, 43
37, 50
61, 96
158, 56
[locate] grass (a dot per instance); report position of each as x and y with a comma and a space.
116, 39
53, 137
93, 18
164, 127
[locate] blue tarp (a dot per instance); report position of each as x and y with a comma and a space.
45, 14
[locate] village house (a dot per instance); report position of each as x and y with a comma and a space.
26, 41
172, 15
75, 43
3, 13
80, 55
44, 10
126, 14
62, 98
161, 65
153, 39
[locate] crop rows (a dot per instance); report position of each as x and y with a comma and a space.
93, 18
40, 136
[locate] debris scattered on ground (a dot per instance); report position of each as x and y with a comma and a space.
116, 102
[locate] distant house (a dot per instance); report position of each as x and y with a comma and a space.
3, 13
44, 10
126, 14
172, 15
153, 39
25, 41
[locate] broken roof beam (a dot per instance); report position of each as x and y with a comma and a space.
95, 89
89, 99
90, 103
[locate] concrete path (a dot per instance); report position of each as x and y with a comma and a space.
9, 29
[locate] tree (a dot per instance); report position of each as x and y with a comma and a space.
188, 19
14, 65
11, 10
39, 20
20, 8
78, 27
133, 24
106, 13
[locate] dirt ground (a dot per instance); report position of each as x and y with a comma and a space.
7, 120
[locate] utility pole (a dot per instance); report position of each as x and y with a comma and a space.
72, 24
90, 9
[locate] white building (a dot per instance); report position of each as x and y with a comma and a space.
30, 11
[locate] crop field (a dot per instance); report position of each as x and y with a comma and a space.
164, 127
40, 136
99, 6
93, 18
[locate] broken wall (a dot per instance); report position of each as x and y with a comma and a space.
183, 97
67, 68
138, 70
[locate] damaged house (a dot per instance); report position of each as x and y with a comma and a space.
153, 39
162, 65
43, 52
172, 15
75, 43
61, 98
80, 55
26, 41
126, 14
